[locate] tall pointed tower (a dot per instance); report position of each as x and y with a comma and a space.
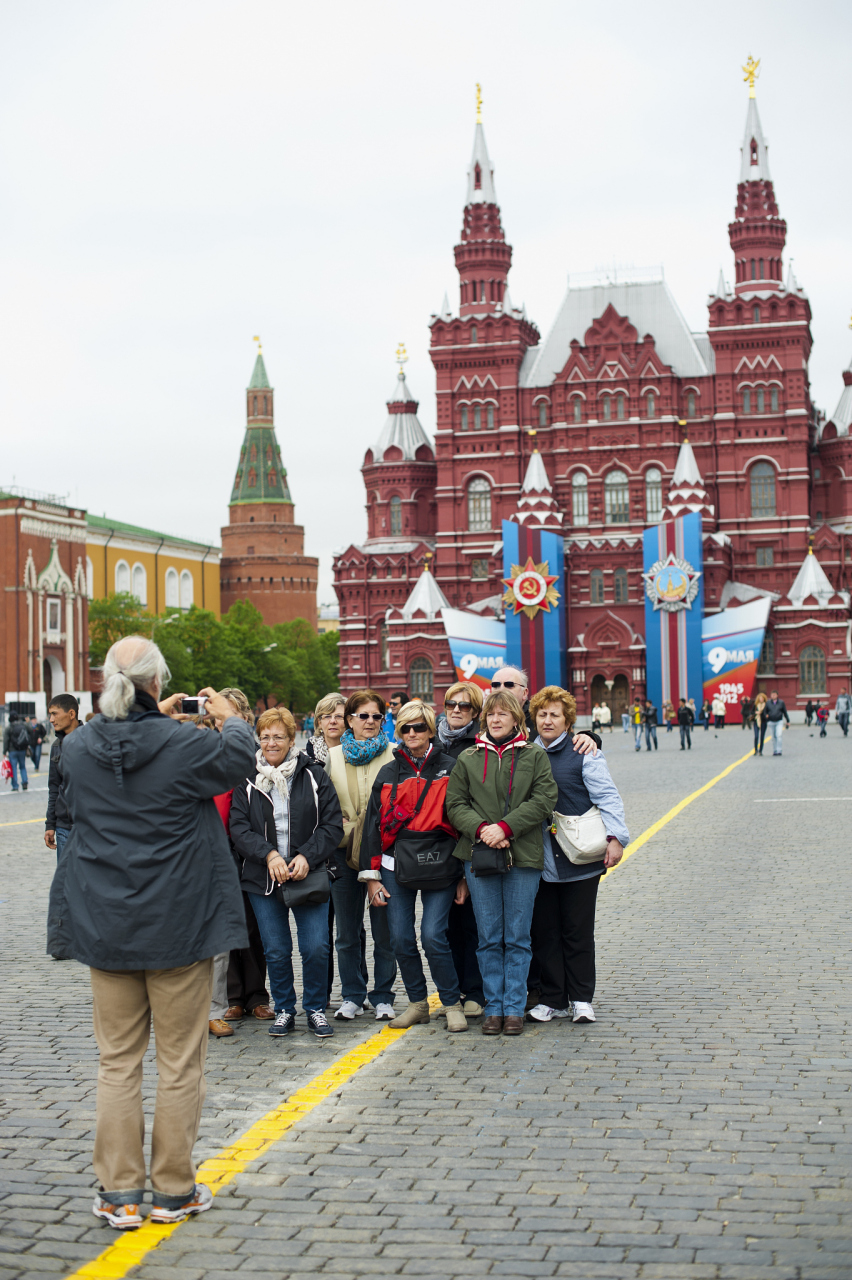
263, 550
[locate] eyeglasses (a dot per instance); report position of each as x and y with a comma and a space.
277, 742
367, 715
420, 727
506, 684
458, 706
333, 715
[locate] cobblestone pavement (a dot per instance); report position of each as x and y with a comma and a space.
697, 1130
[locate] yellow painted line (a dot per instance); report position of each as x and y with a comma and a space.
636, 845
131, 1247
22, 823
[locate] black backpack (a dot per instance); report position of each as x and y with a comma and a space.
19, 737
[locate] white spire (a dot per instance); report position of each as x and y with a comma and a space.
402, 427
811, 580
792, 283
842, 416
721, 287
508, 306
480, 175
427, 597
446, 313
755, 160
687, 493
537, 507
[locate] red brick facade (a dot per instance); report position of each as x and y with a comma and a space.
610, 394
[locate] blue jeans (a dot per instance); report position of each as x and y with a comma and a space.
503, 906
349, 895
273, 921
18, 760
625, 720
776, 731
433, 936
685, 736
843, 721
37, 755
650, 732
60, 835
637, 728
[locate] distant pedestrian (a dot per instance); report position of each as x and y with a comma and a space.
718, 708
650, 718
776, 718
637, 715
706, 713
16, 744
606, 716
842, 709
625, 720
685, 720
38, 733
745, 711
809, 713
669, 715
758, 720
596, 717
822, 721
395, 705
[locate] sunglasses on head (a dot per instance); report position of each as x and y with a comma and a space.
420, 727
367, 715
452, 705
506, 684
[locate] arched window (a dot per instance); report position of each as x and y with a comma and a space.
755, 314
620, 586
580, 498
489, 417
474, 337
383, 645
140, 583
653, 495
760, 264
650, 404
264, 406
477, 176
255, 407
766, 666
421, 680
690, 405
273, 479
464, 417
596, 586
396, 515
186, 589
479, 504
773, 399
619, 407
172, 589
477, 417
763, 489
268, 454
747, 401
761, 400
616, 498
252, 478
122, 576
812, 670
90, 578
578, 408
753, 273
607, 408
253, 453
542, 413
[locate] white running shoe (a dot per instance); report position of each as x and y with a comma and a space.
348, 1010
384, 1013
583, 1012
562, 1013
199, 1202
124, 1217
541, 1013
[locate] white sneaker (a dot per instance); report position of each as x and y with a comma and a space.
384, 1013
562, 1013
583, 1012
348, 1010
541, 1013
200, 1201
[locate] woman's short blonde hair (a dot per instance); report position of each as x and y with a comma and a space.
501, 698
325, 707
238, 699
414, 711
471, 691
274, 717
553, 693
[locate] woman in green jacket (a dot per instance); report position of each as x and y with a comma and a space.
499, 793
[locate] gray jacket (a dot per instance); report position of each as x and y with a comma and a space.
148, 880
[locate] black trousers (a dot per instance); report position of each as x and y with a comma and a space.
563, 940
463, 938
247, 967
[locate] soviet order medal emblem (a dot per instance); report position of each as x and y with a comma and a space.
530, 588
671, 584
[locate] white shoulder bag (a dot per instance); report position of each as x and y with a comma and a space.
582, 837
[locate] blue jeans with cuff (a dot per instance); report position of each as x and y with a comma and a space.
349, 895
433, 937
504, 908
273, 921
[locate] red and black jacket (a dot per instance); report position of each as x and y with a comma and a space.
411, 777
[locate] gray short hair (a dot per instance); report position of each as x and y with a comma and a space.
132, 663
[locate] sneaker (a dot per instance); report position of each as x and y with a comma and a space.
541, 1013
282, 1026
202, 1199
472, 1009
319, 1023
583, 1012
348, 1010
384, 1012
562, 1013
124, 1217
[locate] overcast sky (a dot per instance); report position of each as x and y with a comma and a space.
179, 176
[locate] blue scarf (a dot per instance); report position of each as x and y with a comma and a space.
364, 751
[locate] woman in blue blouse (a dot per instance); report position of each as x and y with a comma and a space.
563, 925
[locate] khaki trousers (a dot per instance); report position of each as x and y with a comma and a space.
124, 1003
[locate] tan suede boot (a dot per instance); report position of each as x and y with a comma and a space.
456, 1021
417, 1011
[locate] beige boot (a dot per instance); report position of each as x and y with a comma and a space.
456, 1021
417, 1011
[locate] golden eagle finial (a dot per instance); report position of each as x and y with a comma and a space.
751, 74
401, 357
479, 104
259, 344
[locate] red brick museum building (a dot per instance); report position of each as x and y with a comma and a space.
618, 418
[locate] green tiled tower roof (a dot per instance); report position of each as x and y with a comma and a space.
260, 475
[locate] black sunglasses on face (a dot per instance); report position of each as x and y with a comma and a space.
505, 684
367, 715
458, 706
420, 727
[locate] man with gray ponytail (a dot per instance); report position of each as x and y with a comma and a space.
146, 894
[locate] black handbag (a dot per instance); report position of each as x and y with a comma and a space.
423, 860
313, 890
485, 861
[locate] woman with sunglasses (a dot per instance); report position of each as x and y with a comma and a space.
499, 794
353, 767
409, 797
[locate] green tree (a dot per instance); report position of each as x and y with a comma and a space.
119, 615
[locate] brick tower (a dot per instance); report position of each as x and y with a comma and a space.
263, 550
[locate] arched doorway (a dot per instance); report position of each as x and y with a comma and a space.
53, 677
617, 698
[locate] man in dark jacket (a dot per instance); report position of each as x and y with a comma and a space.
146, 894
38, 733
16, 744
776, 716
685, 720
62, 713
650, 718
